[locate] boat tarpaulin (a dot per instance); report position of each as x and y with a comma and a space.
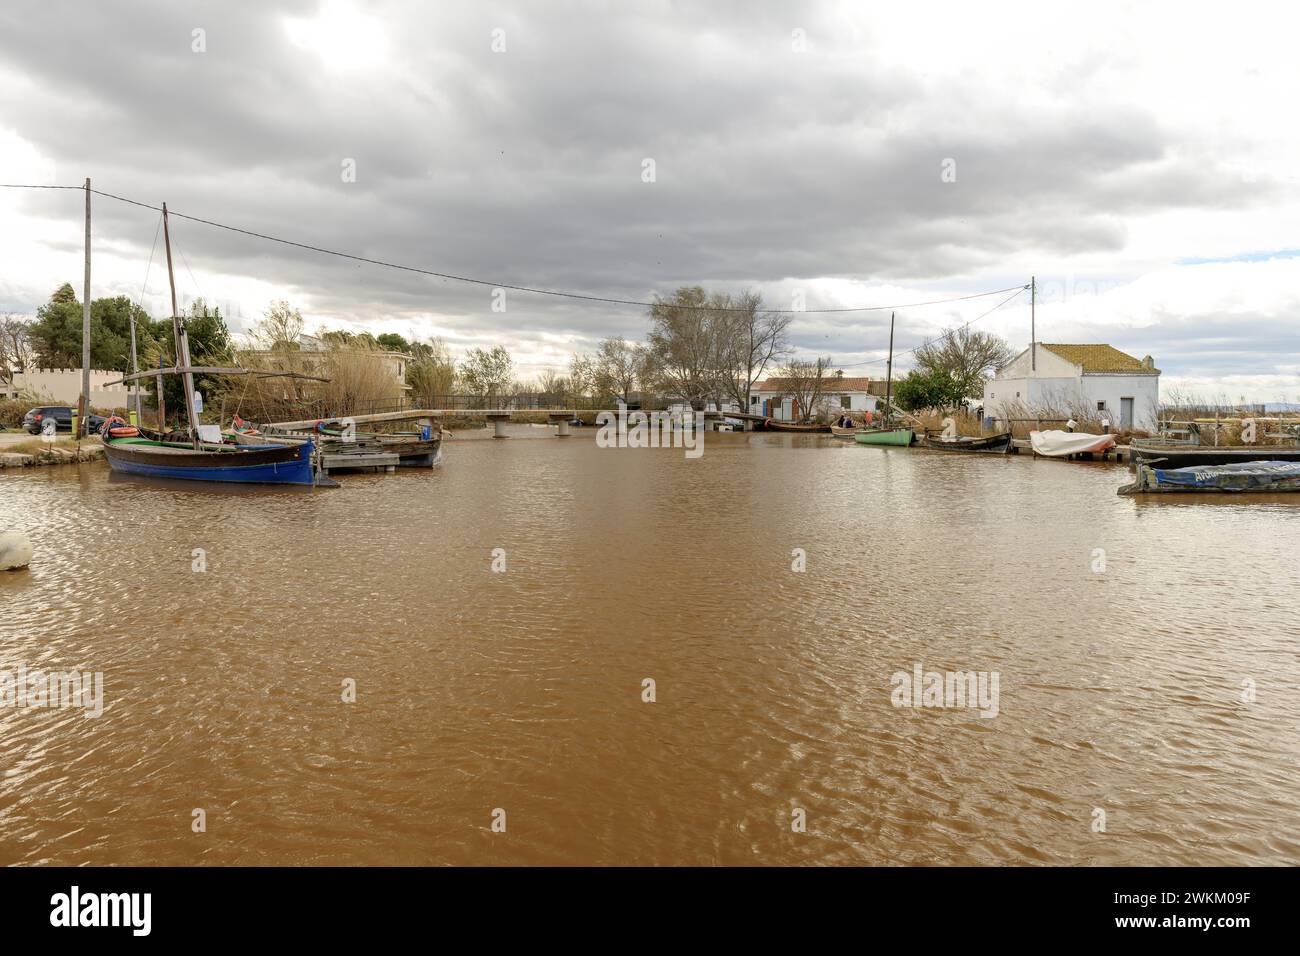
1058, 444
1238, 476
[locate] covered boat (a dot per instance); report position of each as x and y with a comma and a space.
1260, 476
1062, 444
1172, 456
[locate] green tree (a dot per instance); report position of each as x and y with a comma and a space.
393, 342
210, 344
487, 375
919, 389
431, 374
56, 333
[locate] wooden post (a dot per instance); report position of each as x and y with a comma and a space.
134, 368
178, 333
889, 370
83, 403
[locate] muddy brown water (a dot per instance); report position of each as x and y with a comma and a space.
1162, 690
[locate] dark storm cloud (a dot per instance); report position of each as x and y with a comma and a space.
525, 166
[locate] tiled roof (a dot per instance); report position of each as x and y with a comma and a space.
830, 383
1100, 358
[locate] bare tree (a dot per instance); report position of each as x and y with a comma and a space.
16, 347
620, 367
752, 341
280, 328
970, 357
687, 344
582, 375
805, 382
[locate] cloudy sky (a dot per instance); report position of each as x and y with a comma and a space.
1139, 159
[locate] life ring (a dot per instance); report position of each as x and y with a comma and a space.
115, 426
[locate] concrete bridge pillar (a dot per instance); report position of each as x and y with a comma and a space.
561, 422
498, 420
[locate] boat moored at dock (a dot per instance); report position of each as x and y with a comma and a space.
1199, 456
1055, 443
990, 444
251, 464
1241, 476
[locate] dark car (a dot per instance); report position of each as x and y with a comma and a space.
35, 419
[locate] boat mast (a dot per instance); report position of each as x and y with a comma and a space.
889, 370
178, 334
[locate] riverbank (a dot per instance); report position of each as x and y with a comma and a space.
20, 450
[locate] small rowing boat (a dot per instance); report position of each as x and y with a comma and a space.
885, 436
840, 431
1257, 476
776, 426
993, 444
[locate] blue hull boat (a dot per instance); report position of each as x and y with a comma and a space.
1257, 476
250, 464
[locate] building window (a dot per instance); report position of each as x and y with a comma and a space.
1101, 406
1017, 394
846, 401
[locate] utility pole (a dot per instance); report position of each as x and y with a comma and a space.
83, 403
889, 371
1033, 338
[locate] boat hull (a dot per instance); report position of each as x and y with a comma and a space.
776, 426
991, 444
1264, 477
259, 465
894, 436
1191, 456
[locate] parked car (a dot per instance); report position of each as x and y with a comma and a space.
35, 419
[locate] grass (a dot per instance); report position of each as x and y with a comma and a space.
34, 446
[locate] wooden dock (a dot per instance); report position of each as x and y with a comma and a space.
1118, 453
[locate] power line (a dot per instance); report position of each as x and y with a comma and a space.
501, 285
943, 335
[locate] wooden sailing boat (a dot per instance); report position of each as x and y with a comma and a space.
135, 451
886, 435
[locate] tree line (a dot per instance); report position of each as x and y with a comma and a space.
701, 347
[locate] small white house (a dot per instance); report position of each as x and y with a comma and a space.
1099, 378
772, 398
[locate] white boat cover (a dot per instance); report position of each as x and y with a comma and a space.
1058, 444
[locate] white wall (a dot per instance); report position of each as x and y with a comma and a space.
1085, 390
63, 386
1143, 389
830, 402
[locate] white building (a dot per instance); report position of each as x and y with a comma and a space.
1097, 379
772, 398
62, 386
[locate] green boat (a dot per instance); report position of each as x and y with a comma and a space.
885, 436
